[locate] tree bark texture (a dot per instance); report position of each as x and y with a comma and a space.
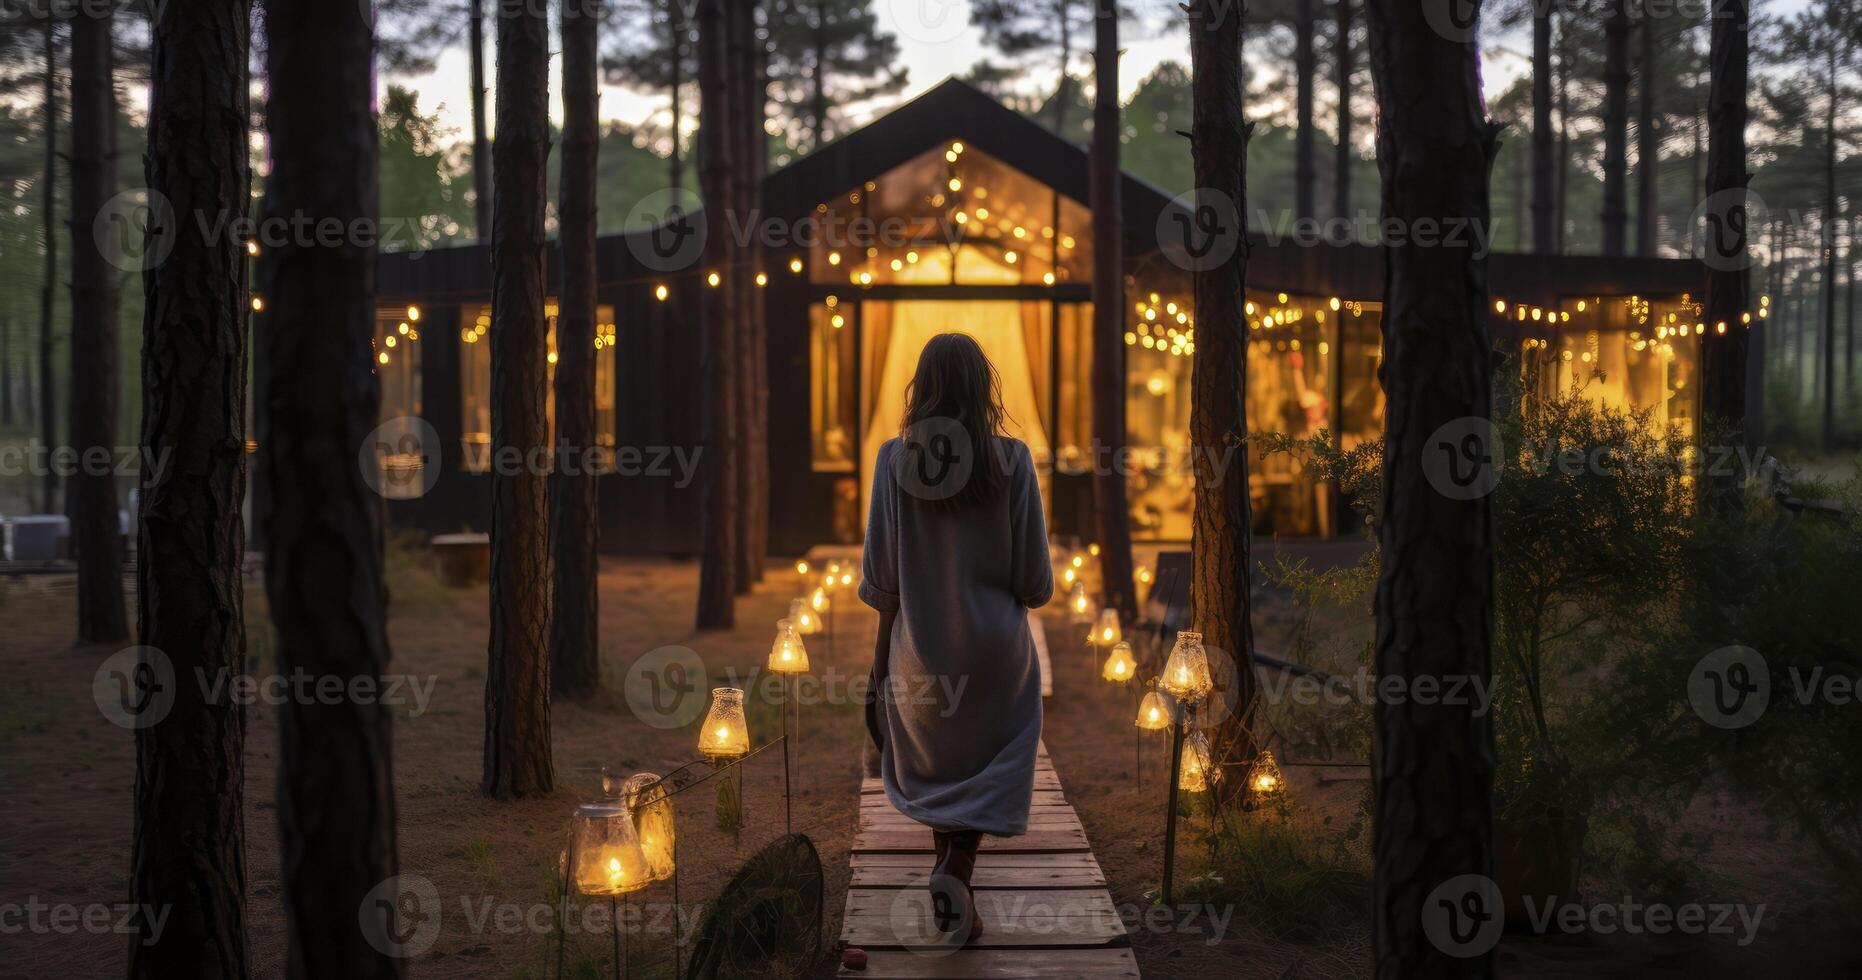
1544, 230
188, 850
1305, 68
517, 670
750, 91
1433, 763
48, 206
1723, 355
1112, 516
1615, 127
91, 501
318, 402
1341, 170
481, 141
1648, 141
575, 526
1221, 524
719, 371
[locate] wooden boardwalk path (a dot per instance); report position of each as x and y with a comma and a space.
1046, 912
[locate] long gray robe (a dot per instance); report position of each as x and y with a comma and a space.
962, 714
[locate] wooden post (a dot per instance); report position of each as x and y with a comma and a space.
1170, 818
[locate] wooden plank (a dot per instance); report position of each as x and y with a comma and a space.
920, 842
901, 917
1041, 655
1044, 781
987, 859
985, 877
1001, 964
896, 823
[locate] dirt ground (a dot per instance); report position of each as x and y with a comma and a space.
67, 774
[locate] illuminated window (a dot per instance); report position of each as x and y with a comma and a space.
397, 362
831, 389
475, 381
952, 217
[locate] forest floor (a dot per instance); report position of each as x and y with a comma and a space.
68, 775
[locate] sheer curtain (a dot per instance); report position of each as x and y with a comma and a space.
997, 327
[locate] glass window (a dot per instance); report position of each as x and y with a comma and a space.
397, 360
1290, 372
475, 381
1625, 352
952, 215
1162, 485
831, 391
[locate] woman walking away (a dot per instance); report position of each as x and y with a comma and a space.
956, 555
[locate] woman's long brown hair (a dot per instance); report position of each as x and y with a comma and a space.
955, 383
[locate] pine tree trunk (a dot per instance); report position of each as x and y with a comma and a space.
754, 501
1305, 67
188, 851
817, 80
96, 533
1723, 356
675, 160
1341, 170
1615, 127
575, 526
48, 207
481, 141
1827, 241
517, 671
1112, 517
1432, 765
1544, 237
318, 401
1564, 139
718, 558
1219, 543
1648, 143
740, 267
6, 372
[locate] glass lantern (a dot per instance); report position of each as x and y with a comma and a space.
1153, 712
1265, 781
818, 599
1079, 604
1107, 632
787, 654
1120, 666
804, 618
607, 857
1186, 674
652, 811
1199, 772
726, 733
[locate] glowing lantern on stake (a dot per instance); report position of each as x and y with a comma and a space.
1265, 781
726, 734
804, 618
1120, 667
1153, 712
787, 654
1186, 674
608, 859
1199, 771
652, 813
1080, 604
1107, 632
819, 600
